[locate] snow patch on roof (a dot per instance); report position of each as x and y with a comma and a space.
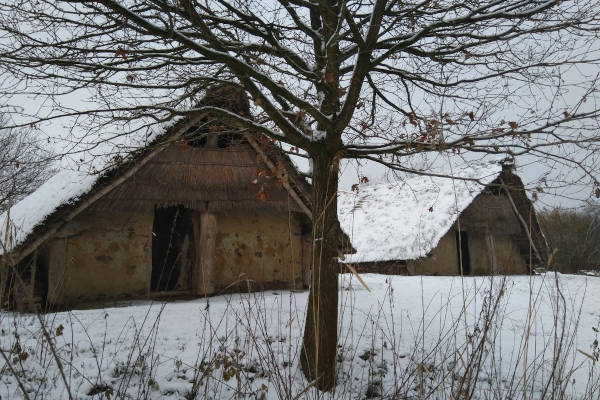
66, 187
63, 188
406, 220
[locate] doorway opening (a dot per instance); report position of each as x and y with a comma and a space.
462, 253
24, 286
172, 249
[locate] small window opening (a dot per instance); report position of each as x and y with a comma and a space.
462, 253
199, 137
196, 137
305, 225
230, 139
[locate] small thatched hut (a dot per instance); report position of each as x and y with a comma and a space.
205, 208
441, 226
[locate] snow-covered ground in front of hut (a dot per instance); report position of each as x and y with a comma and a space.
405, 338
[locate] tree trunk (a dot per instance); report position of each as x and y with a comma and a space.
318, 357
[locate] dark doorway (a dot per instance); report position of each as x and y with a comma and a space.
462, 253
25, 286
172, 249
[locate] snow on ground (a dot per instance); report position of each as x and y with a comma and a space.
412, 337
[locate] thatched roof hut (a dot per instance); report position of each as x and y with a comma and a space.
442, 226
204, 208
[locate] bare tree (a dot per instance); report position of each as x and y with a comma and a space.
378, 80
23, 164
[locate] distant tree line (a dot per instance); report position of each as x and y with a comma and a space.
575, 234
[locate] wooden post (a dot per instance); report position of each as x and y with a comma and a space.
57, 271
4, 286
204, 273
196, 273
32, 278
491, 249
307, 259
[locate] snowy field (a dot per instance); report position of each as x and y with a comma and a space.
411, 337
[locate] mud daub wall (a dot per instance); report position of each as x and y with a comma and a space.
441, 261
101, 256
491, 229
106, 252
263, 252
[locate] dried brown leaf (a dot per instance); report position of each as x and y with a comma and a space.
121, 53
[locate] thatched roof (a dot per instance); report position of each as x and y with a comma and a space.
406, 221
37, 217
227, 97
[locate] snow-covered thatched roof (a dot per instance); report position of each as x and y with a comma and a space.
69, 185
406, 220
63, 188
62, 197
